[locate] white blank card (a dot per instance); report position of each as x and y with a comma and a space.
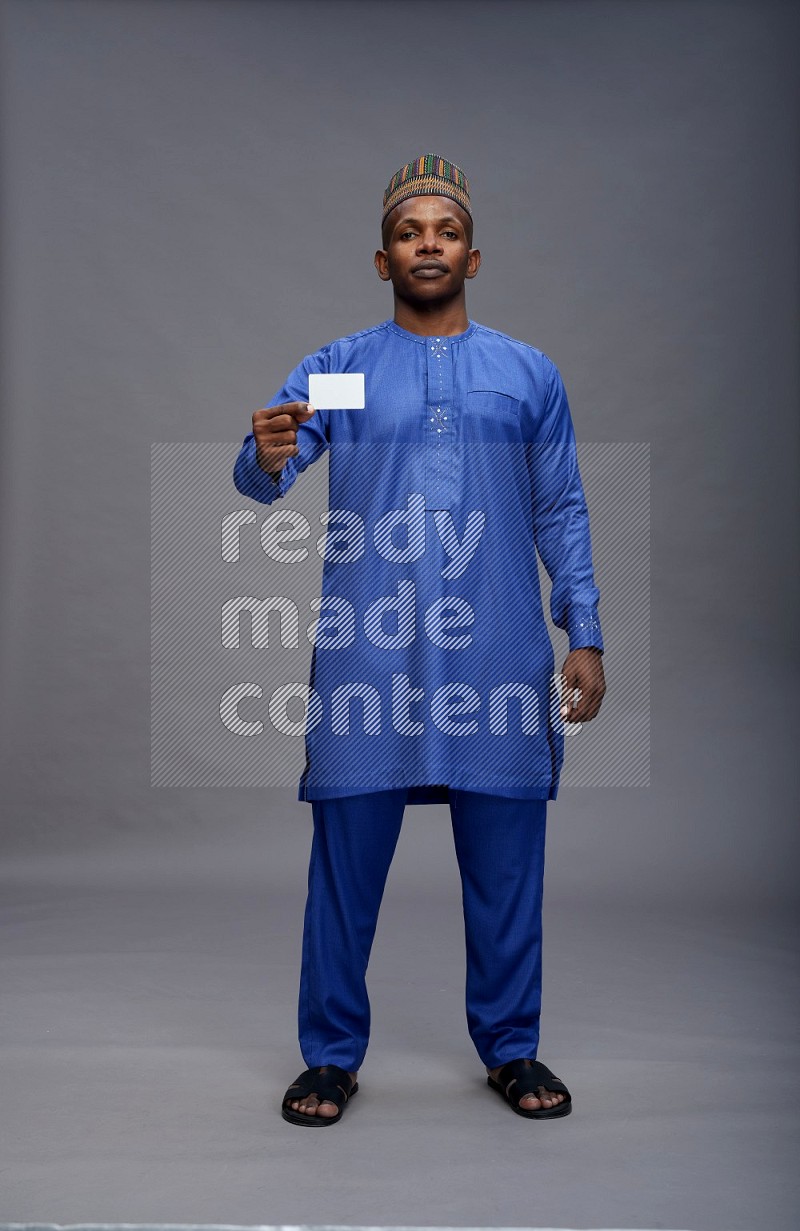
336, 391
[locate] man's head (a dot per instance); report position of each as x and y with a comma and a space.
426, 232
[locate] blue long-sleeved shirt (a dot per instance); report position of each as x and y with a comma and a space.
432, 665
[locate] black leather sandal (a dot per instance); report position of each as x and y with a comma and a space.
520, 1077
330, 1084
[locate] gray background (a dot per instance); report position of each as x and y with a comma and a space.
190, 204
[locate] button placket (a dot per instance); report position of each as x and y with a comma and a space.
439, 435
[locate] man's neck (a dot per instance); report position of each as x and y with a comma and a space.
434, 320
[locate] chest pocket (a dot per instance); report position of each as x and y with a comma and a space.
491, 415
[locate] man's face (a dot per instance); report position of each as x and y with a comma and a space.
427, 255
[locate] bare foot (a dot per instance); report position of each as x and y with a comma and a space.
548, 1098
311, 1106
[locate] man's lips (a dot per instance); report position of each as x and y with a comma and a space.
429, 269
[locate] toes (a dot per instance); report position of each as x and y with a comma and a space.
311, 1106
546, 1098
307, 1106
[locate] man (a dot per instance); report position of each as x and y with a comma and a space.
460, 465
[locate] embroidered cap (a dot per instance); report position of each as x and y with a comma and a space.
426, 176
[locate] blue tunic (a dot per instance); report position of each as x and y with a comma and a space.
432, 666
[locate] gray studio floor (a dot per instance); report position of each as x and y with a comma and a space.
148, 1033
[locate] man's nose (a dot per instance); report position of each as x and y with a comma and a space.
429, 242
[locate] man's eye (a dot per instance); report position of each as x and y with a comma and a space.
407, 234
452, 234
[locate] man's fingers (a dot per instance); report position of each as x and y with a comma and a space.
572, 697
586, 704
297, 412
573, 708
280, 434
566, 694
582, 711
279, 454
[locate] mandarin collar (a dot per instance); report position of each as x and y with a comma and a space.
425, 338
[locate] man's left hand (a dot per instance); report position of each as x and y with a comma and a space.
583, 669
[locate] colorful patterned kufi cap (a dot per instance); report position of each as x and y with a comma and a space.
427, 176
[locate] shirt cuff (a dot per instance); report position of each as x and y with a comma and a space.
583, 629
257, 483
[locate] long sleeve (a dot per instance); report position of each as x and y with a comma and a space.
312, 439
561, 519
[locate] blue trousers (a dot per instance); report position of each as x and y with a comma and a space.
499, 845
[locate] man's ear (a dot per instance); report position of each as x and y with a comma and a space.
473, 262
382, 264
